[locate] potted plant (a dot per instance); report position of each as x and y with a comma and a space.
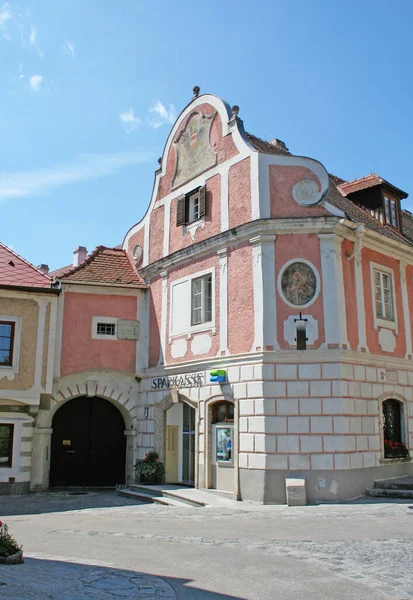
395, 449
150, 469
11, 552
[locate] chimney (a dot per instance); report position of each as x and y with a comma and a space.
44, 268
79, 255
278, 144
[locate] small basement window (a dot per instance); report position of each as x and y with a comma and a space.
106, 329
191, 207
6, 445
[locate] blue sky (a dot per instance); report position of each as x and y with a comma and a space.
89, 91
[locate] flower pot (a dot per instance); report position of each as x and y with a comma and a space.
13, 559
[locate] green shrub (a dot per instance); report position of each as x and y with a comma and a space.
8, 544
150, 469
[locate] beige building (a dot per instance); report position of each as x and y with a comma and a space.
28, 308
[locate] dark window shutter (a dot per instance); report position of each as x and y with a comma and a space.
180, 211
202, 201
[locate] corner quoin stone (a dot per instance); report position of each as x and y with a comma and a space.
296, 492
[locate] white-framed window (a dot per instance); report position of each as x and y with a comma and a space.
383, 294
192, 303
201, 299
191, 207
10, 332
104, 328
11, 432
390, 209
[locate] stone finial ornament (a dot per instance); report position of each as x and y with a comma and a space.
196, 91
160, 161
235, 111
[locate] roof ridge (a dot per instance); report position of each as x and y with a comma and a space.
86, 261
26, 261
360, 178
134, 269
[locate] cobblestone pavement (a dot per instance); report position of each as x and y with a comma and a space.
332, 551
55, 580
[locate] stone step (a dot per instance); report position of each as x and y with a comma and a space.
389, 493
171, 494
160, 496
395, 483
147, 497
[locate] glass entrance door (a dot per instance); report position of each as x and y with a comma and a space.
188, 445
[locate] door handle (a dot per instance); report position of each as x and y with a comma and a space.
70, 451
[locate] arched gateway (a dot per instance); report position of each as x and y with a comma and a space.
88, 444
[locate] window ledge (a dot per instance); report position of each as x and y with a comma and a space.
203, 327
385, 324
398, 459
192, 227
8, 372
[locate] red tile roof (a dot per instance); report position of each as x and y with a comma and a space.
16, 271
58, 273
356, 213
371, 180
105, 266
274, 147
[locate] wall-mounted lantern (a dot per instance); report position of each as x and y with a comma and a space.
301, 333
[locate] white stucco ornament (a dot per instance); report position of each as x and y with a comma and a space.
306, 192
387, 340
179, 348
137, 253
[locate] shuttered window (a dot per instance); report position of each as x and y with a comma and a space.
191, 207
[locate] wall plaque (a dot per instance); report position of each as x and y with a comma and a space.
194, 154
128, 329
298, 283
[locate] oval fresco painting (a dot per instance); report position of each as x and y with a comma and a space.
299, 283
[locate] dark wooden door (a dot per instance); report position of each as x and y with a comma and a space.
88, 444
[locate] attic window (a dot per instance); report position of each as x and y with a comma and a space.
191, 207
390, 208
381, 206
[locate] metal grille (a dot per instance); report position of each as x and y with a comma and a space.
106, 329
391, 421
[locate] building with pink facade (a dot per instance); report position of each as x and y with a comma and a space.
293, 284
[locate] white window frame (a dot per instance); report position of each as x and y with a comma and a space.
203, 279
192, 200
380, 321
10, 371
15, 469
106, 320
189, 329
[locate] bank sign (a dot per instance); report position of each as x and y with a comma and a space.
179, 382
